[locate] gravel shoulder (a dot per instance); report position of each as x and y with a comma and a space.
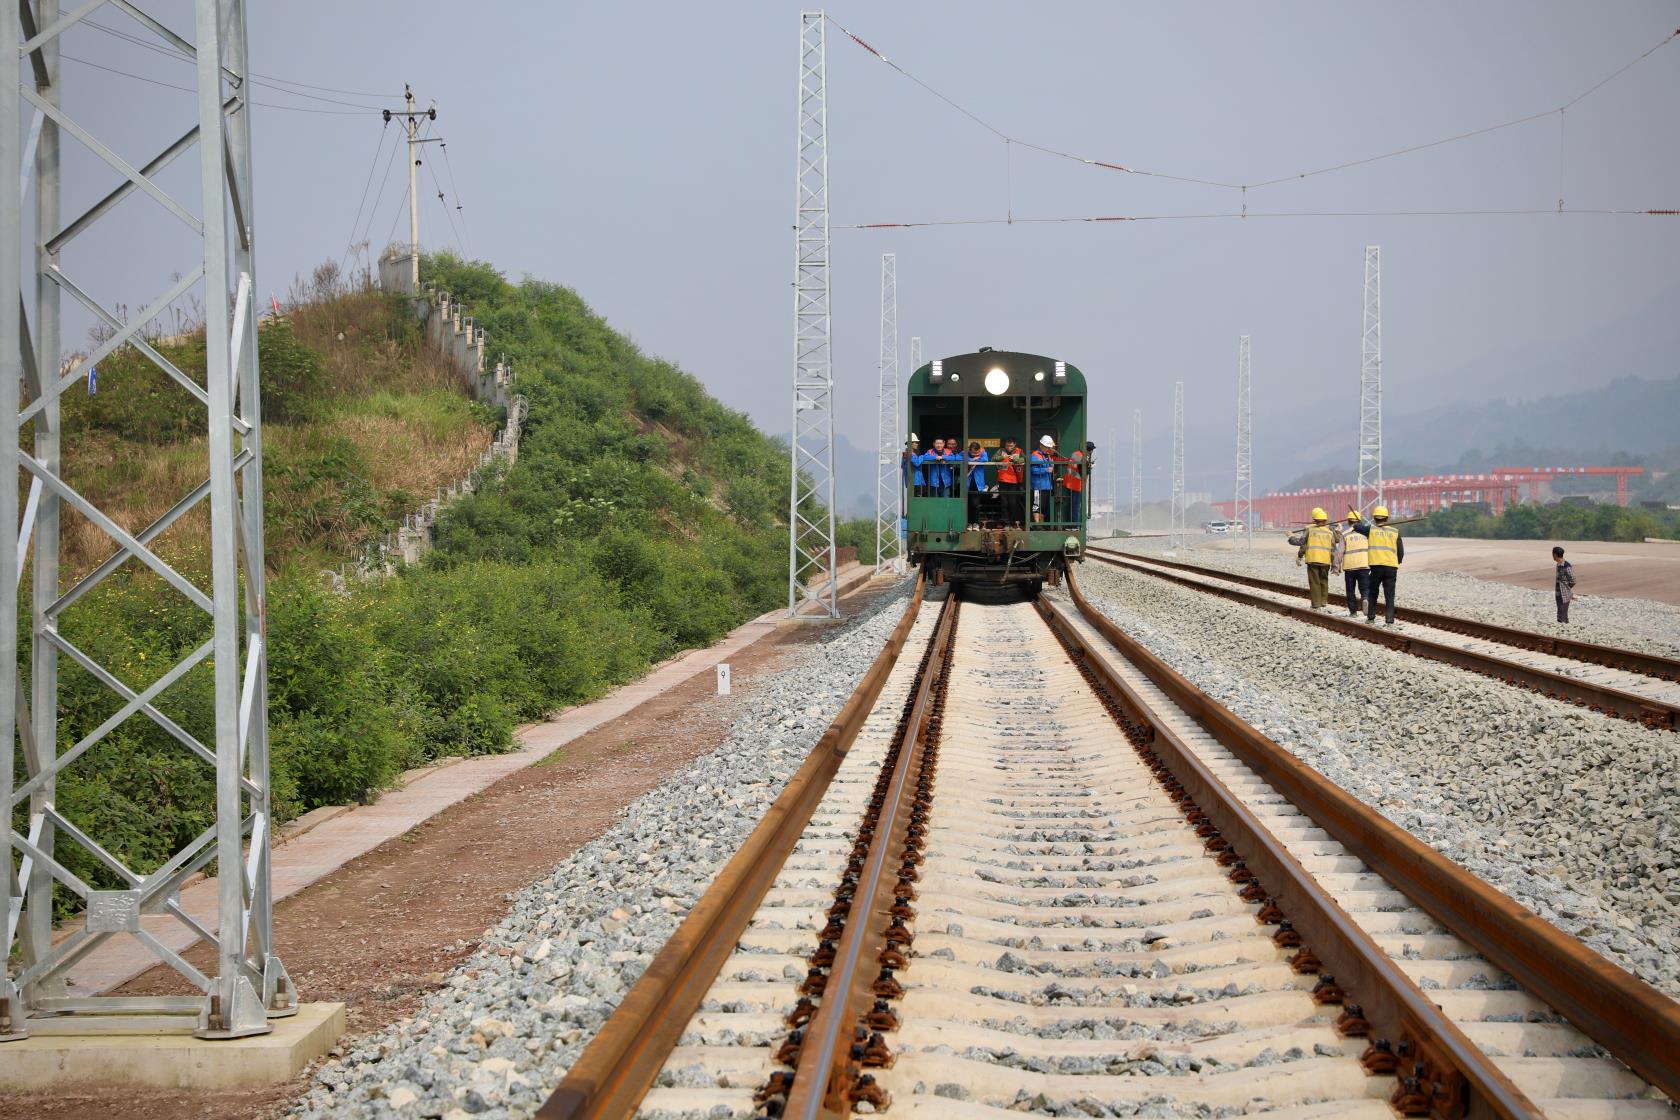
1570, 813
387, 931
1639, 624
507, 1021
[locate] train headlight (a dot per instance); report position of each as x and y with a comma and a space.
1039, 376
997, 382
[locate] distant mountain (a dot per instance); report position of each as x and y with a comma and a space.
854, 477
1626, 421
1613, 389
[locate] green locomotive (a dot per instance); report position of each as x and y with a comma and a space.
997, 474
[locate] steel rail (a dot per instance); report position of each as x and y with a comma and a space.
1647, 710
618, 1067
1611, 657
829, 1064
1638, 1024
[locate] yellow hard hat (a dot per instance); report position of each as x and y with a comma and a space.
1353, 515
1381, 513
1318, 514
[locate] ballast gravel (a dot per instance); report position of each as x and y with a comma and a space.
1637, 624
1572, 814
508, 1023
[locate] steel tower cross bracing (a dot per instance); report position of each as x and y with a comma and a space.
1137, 468
813, 589
889, 490
249, 985
1243, 502
915, 354
1175, 537
1369, 490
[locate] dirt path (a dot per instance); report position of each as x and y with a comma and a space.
385, 929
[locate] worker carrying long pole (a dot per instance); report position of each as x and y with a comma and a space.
1352, 556
1317, 550
1387, 551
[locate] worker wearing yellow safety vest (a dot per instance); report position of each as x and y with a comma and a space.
1387, 550
1318, 548
1353, 559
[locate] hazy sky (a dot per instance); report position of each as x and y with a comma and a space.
644, 154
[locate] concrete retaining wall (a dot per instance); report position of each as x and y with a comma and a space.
462, 341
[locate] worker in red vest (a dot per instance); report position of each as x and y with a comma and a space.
1010, 462
1073, 484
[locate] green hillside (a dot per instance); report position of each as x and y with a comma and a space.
640, 518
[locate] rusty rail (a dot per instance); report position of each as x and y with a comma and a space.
1631, 1019
1646, 710
829, 1070
616, 1069
1611, 657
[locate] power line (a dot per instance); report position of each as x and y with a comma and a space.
378, 149
390, 162
456, 191
446, 211
1011, 139
190, 89
1246, 214
256, 78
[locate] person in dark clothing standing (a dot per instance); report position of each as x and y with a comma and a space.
1352, 556
1386, 552
1565, 583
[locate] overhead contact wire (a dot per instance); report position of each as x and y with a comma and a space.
1110, 165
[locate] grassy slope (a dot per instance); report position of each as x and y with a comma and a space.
362, 421
640, 518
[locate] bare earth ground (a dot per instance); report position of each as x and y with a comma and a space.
1622, 570
385, 929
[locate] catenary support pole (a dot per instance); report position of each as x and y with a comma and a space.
1137, 469
889, 489
813, 590
1175, 534
1243, 505
248, 985
1369, 491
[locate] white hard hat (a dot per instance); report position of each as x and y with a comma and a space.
1046, 441
914, 438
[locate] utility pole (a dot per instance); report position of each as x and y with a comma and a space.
1242, 507
813, 589
1137, 467
1175, 533
889, 489
411, 120
1370, 387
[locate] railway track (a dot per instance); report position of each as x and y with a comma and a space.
1641, 687
1031, 868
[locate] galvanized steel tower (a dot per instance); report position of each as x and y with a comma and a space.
1369, 491
1243, 505
813, 590
1175, 535
889, 490
1137, 467
249, 984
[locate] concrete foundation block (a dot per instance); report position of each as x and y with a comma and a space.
173, 1060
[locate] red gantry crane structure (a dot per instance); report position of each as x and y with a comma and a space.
1407, 497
